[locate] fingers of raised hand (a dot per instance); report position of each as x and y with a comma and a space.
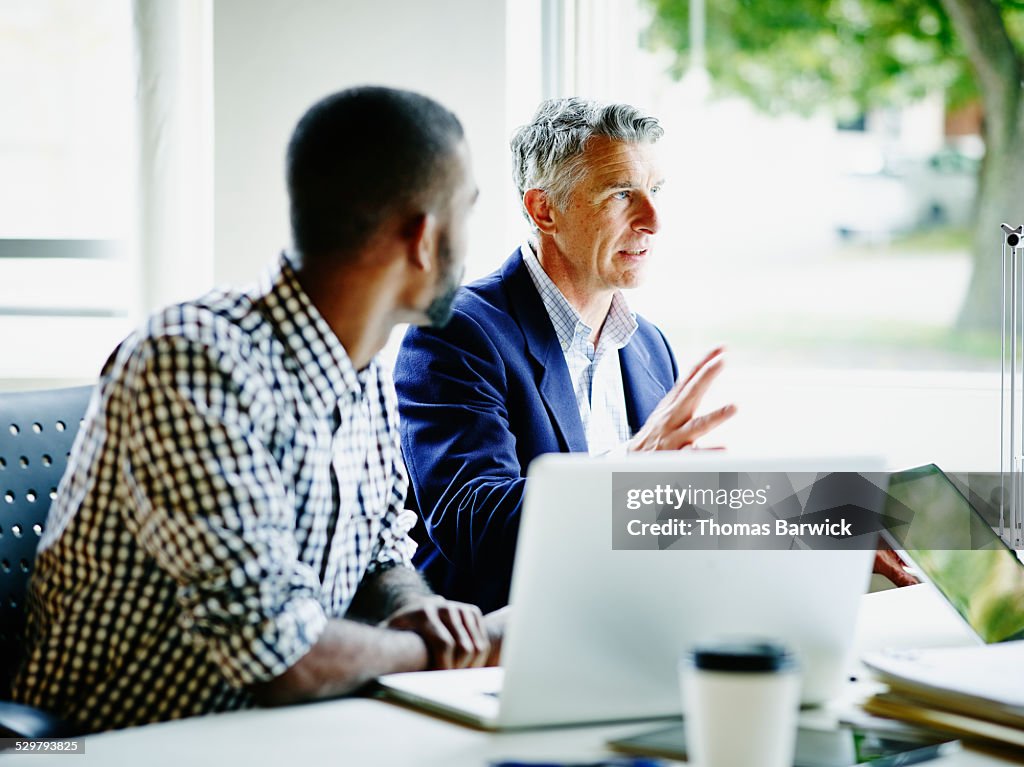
679, 412
718, 351
695, 428
690, 396
685, 397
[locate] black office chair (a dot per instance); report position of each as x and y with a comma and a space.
36, 432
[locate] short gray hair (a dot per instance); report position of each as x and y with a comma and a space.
547, 150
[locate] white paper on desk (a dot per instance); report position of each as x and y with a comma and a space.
969, 679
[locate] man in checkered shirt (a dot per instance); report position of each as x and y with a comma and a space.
230, 529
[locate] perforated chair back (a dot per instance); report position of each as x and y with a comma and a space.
36, 432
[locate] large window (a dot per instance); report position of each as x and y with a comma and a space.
830, 252
815, 239
67, 285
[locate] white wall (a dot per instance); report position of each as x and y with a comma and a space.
274, 58
174, 144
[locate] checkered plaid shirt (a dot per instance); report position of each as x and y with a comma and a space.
595, 372
234, 480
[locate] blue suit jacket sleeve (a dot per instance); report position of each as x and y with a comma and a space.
459, 445
479, 400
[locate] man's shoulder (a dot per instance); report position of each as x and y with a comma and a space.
654, 349
484, 305
222, 326
483, 325
227, 320
651, 337
649, 332
489, 293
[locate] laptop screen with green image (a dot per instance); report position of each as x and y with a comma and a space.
957, 550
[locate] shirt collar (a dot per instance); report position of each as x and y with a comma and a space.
620, 323
327, 372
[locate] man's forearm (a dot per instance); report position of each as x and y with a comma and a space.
347, 656
384, 592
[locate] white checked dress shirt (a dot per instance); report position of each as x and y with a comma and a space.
594, 370
234, 480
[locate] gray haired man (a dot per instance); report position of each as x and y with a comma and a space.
544, 355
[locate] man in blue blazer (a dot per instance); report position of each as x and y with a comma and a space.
543, 355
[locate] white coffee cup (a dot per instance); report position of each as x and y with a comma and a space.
741, 699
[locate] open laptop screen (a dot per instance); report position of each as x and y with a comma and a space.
956, 549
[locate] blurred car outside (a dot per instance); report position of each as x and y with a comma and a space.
879, 197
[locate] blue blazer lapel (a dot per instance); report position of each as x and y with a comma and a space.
550, 370
643, 391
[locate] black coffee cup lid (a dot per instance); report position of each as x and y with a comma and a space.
742, 655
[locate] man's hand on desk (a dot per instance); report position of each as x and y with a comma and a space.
427, 630
889, 564
495, 623
673, 424
454, 632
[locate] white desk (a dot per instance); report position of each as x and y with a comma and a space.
345, 732
371, 732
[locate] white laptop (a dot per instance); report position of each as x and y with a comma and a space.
596, 634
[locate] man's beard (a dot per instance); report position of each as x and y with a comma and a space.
440, 309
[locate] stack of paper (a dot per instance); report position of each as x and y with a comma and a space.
974, 692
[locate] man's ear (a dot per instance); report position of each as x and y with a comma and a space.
539, 207
423, 241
